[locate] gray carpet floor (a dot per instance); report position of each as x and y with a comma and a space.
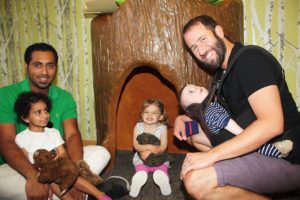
150, 191
123, 167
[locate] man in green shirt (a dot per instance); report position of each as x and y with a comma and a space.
18, 178
64, 106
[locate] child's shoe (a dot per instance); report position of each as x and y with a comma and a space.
162, 180
105, 197
138, 180
284, 146
114, 186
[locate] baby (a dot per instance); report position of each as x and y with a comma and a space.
199, 105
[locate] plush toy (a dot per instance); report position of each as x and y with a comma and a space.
86, 173
61, 170
153, 160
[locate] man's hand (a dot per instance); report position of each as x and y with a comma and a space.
76, 194
196, 161
36, 191
179, 128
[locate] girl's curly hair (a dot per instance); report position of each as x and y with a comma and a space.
24, 102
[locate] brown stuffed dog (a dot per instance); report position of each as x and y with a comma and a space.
61, 170
153, 160
86, 173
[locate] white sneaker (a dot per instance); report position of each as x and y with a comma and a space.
138, 180
162, 180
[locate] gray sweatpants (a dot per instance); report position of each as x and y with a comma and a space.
259, 173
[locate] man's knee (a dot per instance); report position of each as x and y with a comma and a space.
9, 178
200, 183
97, 157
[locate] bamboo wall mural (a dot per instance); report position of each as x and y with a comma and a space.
273, 24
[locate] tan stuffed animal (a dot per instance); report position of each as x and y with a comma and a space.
61, 170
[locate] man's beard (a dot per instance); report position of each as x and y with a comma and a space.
220, 50
39, 85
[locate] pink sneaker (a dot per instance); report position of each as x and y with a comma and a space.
105, 197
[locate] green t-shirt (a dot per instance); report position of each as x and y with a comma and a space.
63, 106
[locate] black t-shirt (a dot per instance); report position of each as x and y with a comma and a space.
252, 71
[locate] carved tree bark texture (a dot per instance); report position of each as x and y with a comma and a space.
148, 33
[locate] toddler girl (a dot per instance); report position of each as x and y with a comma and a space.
33, 109
153, 120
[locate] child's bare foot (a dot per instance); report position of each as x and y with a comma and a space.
284, 146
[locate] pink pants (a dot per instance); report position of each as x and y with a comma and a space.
142, 167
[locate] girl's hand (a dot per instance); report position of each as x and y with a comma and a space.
155, 149
76, 194
144, 154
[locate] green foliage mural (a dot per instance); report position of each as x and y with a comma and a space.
273, 24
